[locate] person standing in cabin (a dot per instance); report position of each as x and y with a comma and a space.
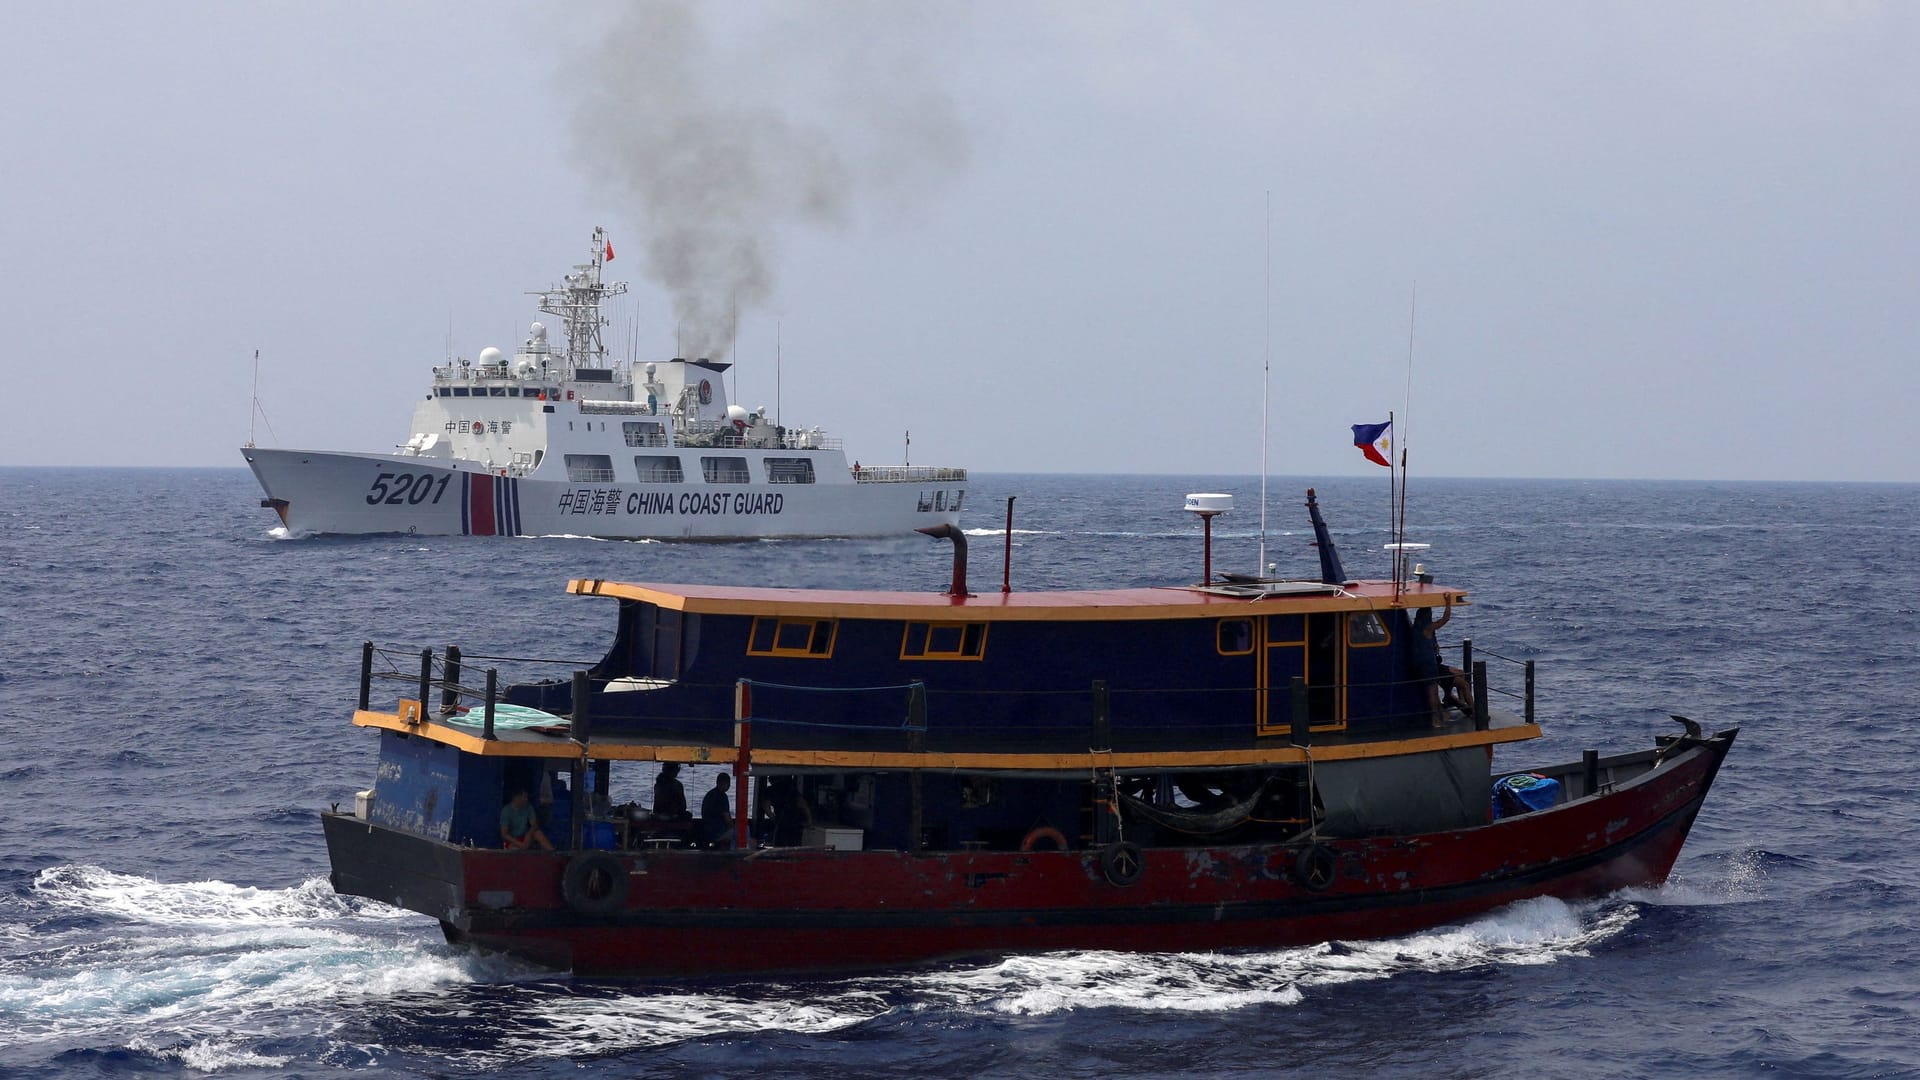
517, 828
716, 817
669, 798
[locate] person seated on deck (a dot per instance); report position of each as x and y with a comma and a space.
669, 798
517, 829
715, 831
788, 809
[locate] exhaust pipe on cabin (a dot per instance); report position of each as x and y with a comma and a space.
949, 532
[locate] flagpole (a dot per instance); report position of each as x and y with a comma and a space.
1392, 504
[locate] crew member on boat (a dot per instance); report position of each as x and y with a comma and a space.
669, 798
517, 827
716, 819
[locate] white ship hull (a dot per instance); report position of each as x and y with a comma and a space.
317, 492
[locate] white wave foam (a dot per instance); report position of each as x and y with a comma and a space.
575, 1027
1531, 932
1003, 532
210, 1054
217, 959
97, 891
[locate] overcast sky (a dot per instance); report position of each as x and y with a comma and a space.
1647, 240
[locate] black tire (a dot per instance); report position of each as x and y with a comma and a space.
1123, 862
1316, 867
594, 883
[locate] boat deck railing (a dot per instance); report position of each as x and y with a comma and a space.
898, 714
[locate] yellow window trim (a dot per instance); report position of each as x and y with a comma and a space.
780, 623
1248, 651
906, 634
1386, 632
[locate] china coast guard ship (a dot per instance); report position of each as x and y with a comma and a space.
570, 441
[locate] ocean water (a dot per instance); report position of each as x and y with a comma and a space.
175, 683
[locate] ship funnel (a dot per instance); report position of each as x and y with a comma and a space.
948, 532
1331, 572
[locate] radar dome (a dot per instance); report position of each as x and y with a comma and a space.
737, 415
539, 332
491, 355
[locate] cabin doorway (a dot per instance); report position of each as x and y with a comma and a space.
1306, 647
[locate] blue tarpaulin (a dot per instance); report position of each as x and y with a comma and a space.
1523, 793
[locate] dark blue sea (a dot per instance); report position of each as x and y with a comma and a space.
176, 682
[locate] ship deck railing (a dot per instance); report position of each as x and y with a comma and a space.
909, 474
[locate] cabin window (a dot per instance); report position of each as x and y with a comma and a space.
643, 433
725, 470
658, 469
943, 641
774, 636
787, 470
497, 391
1235, 637
459, 391
1364, 630
589, 468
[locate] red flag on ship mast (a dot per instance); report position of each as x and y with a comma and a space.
609, 251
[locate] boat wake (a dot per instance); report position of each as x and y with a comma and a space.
1539, 931
213, 975
198, 972
609, 1019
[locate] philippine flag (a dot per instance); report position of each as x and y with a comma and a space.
1375, 441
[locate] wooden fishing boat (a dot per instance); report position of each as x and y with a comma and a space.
1234, 764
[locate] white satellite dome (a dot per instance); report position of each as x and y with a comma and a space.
491, 355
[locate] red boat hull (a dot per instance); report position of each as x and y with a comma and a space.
688, 912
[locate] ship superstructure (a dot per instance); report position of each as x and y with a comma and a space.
571, 440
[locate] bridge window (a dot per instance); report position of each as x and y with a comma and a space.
784, 470
773, 636
589, 468
943, 641
1364, 630
658, 469
1235, 637
725, 470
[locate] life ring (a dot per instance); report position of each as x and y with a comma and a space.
1122, 862
1044, 834
594, 883
1316, 867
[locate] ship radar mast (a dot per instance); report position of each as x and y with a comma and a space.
577, 302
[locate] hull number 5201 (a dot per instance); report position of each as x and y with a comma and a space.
409, 489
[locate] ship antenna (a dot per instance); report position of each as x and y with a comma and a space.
1413, 309
258, 413
1266, 378
254, 410
776, 374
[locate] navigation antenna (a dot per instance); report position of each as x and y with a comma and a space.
577, 302
1266, 379
257, 413
255, 408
